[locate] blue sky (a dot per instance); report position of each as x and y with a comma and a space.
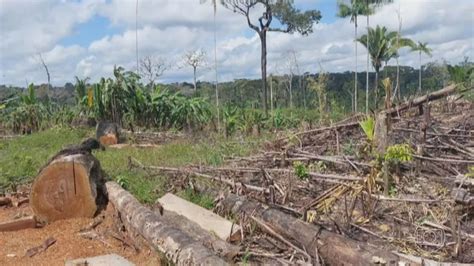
99, 26
85, 33
86, 38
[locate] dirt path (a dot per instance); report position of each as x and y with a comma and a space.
69, 244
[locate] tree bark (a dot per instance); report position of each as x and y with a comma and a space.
217, 245
335, 249
195, 85
381, 132
263, 41
419, 79
367, 74
71, 185
376, 87
355, 74
107, 133
177, 246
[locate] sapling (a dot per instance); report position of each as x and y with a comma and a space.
392, 160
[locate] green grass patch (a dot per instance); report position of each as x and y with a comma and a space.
21, 158
200, 199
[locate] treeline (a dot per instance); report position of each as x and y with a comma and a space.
313, 98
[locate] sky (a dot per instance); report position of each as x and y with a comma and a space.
87, 38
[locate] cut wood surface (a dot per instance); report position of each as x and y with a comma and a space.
69, 186
192, 229
19, 224
107, 133
177, 246
206, 219
335, 249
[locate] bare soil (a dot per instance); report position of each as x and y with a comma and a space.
69, 243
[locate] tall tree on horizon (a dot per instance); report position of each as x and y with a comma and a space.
368, 3
379, 49
355, 9
421, 47
290, 18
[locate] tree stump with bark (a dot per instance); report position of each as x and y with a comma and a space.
107, 133
70, 185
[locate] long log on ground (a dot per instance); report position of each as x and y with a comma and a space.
335, 249
422, 99
70, 185
214, 243
177, 246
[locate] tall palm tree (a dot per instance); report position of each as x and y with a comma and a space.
379, 49
396, 44
356, 8
368, 3
421, 47
214, 4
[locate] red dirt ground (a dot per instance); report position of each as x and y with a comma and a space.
69, 244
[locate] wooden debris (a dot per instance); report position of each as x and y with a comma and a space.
212, 241
422, 99
41, 248
109, 259
334, 248
178, 247
18, 224
107, 133
206, 219
5, 201
70, 185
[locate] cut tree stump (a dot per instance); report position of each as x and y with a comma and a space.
333, 248
381, 132
107, 133
177, 246
206, 219
70, 185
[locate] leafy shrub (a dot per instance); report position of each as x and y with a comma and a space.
301, 171
399, 153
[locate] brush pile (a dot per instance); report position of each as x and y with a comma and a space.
414, 200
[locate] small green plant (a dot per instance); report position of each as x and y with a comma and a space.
470, 172
368, 126
301, 171
246, 257
122, 181
398, 153
394, 156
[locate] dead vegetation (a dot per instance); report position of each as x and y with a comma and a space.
397, 188
331, 178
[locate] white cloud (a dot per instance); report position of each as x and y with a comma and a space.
169, 28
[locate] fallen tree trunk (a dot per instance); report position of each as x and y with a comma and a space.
70, 185
335, 249
177, 246
422, 99
107, 133
214, 243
